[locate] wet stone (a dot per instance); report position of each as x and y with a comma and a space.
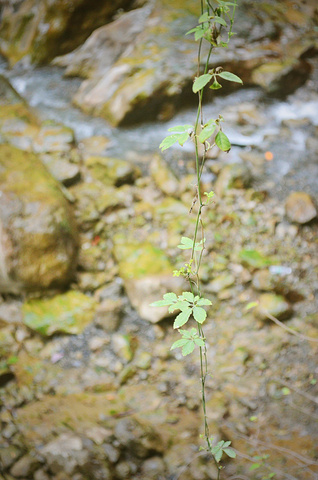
25, 466
9, 455
299, 207
64, 171
275, 305
235, 175
108, 314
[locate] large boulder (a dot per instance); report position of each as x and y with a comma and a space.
41, 30
142, 65
38, 240
147, 275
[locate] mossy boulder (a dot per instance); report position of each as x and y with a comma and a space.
69, 312
282, 77
141, 66
112, 171
42, 30
38, 243
18, 123
147, 275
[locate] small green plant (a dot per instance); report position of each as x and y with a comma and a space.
214, 28
260, 465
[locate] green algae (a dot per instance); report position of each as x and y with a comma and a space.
70, 312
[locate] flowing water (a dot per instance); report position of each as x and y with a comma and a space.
294, 166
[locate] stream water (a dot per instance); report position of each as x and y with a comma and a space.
294, 165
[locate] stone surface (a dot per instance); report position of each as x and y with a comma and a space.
37, 33
164, 177
220, 282
146, 272
65, 453
112, 171
281, 76
275, 305
235, 175
299, 207
25, 466
70, 312
140, 66
38, 235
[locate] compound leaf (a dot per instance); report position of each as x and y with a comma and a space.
182, 318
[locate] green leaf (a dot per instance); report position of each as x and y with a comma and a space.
178, 306
226, 444
206, 132
172, 297
230, 452
187, 333
183, 137
255, 466
186, 243
250, 305
200, 82
220, 20
160, 303
188, 296
218, 455
215, 85
199, 314
199, 342
188, 348
203, 301
179, 343
169, 141
182, 318
204, 18
230, 77
223, 142
201, 31
180, 128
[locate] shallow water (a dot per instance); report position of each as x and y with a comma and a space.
293, 166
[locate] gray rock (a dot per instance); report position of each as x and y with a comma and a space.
38, 238
275, 305
65, 454
38, 33
235, 175
25, 466
141, 439
299, 207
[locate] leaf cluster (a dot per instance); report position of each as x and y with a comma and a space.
187, 244
183, 132
187, 303
190, 338
220, 448
201, 81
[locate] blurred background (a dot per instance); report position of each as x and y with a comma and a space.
91, 213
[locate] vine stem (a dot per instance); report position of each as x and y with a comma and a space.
199, 168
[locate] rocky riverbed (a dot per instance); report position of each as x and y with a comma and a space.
90, 217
